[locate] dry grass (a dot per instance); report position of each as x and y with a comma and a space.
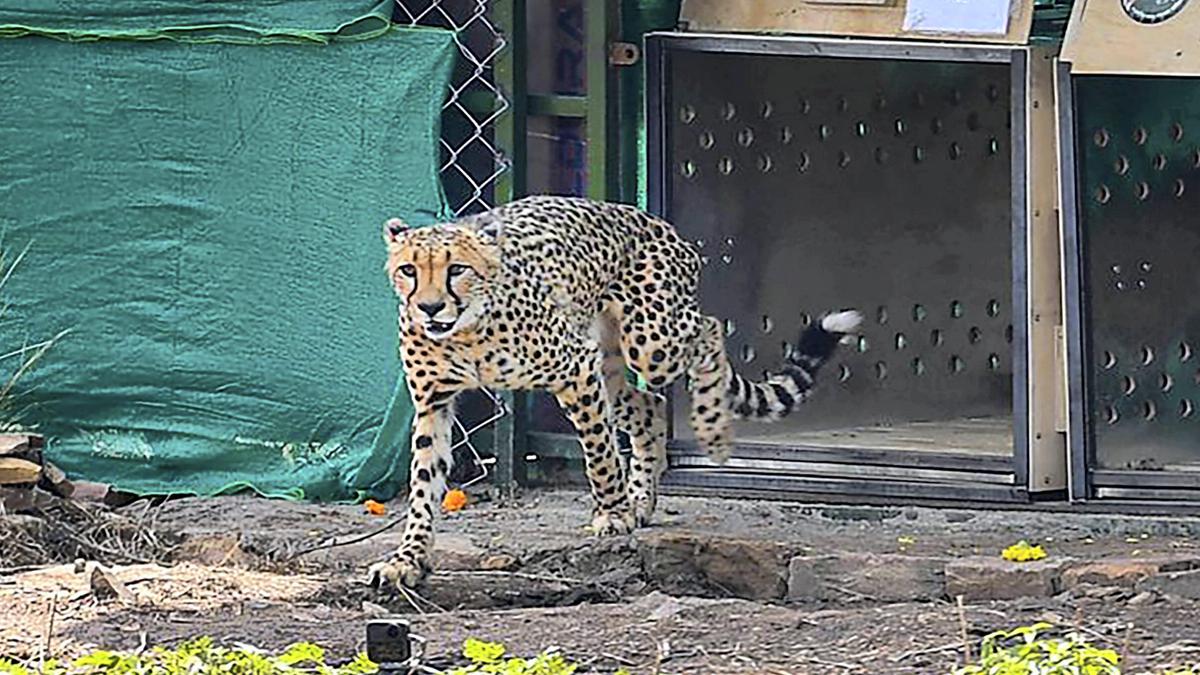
66, 530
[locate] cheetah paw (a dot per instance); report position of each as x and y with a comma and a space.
398, 571
611, 523
643, 509
720, 452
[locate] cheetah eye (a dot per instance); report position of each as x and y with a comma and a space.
456, 270
408, 270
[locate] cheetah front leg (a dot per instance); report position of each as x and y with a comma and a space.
431, 462
585, 402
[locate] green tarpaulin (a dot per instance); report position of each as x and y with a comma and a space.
203, 213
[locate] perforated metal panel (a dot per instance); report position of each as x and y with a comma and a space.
1137, 183
817, 175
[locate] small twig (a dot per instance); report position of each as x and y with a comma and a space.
659, 654
237, 545
851, 593
46, 642
412, 596
962, 626
142, 517
504, 573
353, 540
102, 548
619, 659
835, 664
21, 568
952, 646
993, 612
1125, 645
1094, 633
405, 593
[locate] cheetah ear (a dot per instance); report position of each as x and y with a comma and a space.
489, 227
392, 229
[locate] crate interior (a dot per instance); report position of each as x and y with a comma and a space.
1138, 177
818, 183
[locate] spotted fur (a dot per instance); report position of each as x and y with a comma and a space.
563, 294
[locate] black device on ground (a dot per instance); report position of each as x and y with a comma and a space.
390, 643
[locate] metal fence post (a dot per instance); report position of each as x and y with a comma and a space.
509, 435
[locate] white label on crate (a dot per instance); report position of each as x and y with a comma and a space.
973, 17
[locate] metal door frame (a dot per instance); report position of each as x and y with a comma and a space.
1157, 490
658, 46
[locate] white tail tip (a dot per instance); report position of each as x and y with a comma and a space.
842, 322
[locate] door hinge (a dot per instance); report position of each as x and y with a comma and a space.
623, 53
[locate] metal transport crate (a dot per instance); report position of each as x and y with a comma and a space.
892, 177
1129, 107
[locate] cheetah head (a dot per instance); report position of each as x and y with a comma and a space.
441, 273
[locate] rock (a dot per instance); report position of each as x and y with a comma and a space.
215, 550
1102, 592
881, 577
823, 614
55, 481
498, 562
986, 578
90, 492
17, 499
1184, 584
1143, 598
1125, 571
685, 563
105, 586
17, 471
660, 605
373, 610
457, 553
21, 445
870, 514
804, 579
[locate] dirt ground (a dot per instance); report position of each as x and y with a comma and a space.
705, 590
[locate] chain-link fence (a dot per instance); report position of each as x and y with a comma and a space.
471, 162
471, 166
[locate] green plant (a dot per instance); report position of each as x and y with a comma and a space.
1025, 651
489, 658
199, 657
17, 360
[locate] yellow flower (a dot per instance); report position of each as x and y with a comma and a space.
1023, 552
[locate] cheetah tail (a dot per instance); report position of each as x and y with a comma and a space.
720, 395
786, 388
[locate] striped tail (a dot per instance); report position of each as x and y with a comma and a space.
785, 389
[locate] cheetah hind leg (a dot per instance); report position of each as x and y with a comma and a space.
709, 378
643, 415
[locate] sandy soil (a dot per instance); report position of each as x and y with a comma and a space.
261, 572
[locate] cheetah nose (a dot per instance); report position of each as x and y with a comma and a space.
431, 308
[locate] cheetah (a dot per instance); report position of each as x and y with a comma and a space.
562, 294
